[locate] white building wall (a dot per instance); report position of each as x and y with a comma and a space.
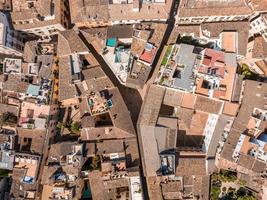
10, 41
209, 130
115, 22
259, 26
46, 30
136, 188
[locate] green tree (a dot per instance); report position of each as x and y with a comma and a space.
247, 73
60, 125
4, 173
75, 127
226, 175
215, 192
243, 194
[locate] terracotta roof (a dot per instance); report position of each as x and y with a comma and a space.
185, 116
144, 34
200, 186
119, 109
258, 5
101, 11
229, 41
89, 10
198, 123
96, 37
110, 146
14, 84
37, 136
259, 166
169, 122
5, 5
120, 31
21, 11
69, 42
66, 89
148, 56
93, 73
97, 186
46, 62
213, 60
100, 133
90, 149
260, 48
206, 104
48, 172
188, 100
30, 51
60, 149
151, 106
253, 96
194, 8
173, 98
87, 121
172, 190
246, 161
158, 31
154, 187
148, 11
230, 109
242, 29
132, 149
191, 166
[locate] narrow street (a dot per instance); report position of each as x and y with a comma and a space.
132, 97
53, 101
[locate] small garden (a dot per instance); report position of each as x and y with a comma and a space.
73, 127
240, 194
226, 186
166, 56
247, 73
